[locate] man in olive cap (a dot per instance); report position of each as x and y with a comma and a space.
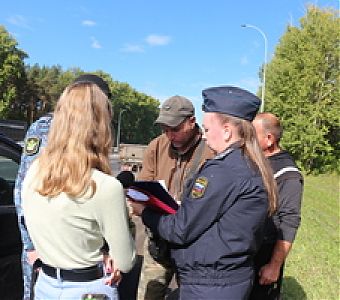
171, 158
35, 140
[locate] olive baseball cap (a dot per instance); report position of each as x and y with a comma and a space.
174, 111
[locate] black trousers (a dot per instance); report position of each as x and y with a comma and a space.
265, 292
11, 280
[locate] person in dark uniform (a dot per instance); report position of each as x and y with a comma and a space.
35, 140
218, 228
282, 227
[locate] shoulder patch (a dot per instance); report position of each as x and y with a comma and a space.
32, 145
199, 187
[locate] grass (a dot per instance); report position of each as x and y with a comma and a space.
312, 268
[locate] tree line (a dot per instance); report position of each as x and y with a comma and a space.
28, 92
302, 88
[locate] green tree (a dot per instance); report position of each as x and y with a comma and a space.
137, 119
303, 89
12, 72
45, 84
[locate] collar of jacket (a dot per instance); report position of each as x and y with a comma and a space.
227, 151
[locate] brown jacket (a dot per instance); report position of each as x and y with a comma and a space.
162, 162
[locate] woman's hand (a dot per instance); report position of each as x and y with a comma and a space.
114, 275
137, 207
114, 278
32, 256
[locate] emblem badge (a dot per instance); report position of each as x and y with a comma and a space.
199, 187
32, 145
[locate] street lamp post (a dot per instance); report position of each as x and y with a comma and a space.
118, 129
265, 61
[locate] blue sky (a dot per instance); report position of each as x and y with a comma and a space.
161, 48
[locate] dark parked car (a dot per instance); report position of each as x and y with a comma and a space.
11, 285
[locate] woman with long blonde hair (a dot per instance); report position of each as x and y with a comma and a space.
72, 203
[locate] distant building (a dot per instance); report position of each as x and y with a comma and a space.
14, 129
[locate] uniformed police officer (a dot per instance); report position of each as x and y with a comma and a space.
35, 140
219, 226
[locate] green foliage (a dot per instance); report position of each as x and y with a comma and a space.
45, 84
139, 112
302, 89
312, 267
12, 71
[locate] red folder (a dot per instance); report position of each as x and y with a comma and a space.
154, 195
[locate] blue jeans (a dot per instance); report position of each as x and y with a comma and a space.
56, 289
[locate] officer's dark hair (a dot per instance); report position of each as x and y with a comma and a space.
93, 78
253, 151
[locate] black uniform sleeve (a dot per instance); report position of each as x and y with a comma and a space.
151, 219
288, 217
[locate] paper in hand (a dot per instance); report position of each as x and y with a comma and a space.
137, 195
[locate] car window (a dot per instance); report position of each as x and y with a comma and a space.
8, 169
8, 173
10, 239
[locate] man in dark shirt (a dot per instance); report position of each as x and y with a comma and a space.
281, 228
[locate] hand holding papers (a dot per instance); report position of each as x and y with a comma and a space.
153, 194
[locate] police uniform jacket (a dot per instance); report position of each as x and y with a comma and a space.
35, 140
219, 226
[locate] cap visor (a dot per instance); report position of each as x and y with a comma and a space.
170, 121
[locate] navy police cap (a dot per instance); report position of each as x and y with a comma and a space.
232, 101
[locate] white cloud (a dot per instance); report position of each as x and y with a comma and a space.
158, 40
95, 44
132, 48
19, 21
88, 23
